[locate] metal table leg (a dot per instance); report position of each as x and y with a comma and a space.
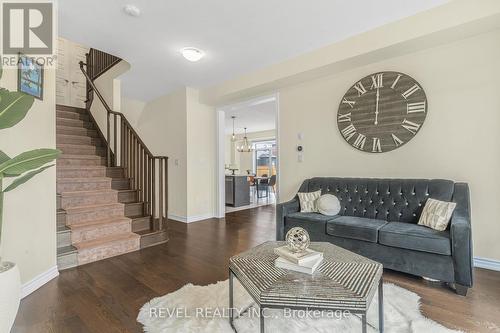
258, 192
231, 298
381, 306
261, 315
363, 322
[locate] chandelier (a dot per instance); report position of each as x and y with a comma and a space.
233, 137
245, 147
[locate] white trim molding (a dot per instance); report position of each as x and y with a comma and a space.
220, 185
38, 281
189, 219
487, 263
220, 172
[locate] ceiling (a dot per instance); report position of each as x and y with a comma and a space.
256, 115
238, 36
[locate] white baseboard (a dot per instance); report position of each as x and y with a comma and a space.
189, 219
487, 263
38, 281
197, 218
177, 218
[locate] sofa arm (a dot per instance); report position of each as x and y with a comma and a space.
461, 236
282, 210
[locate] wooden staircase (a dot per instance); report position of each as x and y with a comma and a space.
100, 214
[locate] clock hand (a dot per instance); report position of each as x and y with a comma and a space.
376, 107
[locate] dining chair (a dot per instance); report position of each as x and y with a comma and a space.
263, 184
272, 183
253, 184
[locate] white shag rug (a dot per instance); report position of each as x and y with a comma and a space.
194, 309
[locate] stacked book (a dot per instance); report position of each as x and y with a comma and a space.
305, 262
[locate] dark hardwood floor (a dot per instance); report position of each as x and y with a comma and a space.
106, 296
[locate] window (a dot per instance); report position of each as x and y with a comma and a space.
265, 158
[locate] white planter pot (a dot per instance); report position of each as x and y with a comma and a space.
10, 292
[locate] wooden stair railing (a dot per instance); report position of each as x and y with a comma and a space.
99, 62
148, 173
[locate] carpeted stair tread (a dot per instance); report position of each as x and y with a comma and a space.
80, 171
69, 199
84, 180
80, 157
60, 114
68, 108
87, 192
83, 209
61, 121
106, 241
73, 130
80, 167
61, 136
72, 149
69, 184
101, 222
77, 146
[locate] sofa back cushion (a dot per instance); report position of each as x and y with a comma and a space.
394, 200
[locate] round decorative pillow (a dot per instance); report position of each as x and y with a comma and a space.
328, 204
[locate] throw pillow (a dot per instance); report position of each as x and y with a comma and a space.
308, 201
437, 214
328, 204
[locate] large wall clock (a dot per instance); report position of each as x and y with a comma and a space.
382, 112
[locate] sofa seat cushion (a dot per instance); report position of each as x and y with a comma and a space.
415, 237
359, 228
310, 217
314, 223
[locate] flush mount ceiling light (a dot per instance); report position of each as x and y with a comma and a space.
132, 10
192, 53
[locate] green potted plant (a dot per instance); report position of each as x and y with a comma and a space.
19, 169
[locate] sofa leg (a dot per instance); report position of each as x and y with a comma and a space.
460, 289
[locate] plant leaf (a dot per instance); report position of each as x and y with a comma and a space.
13, 107
27, 161
3, 157
24, 178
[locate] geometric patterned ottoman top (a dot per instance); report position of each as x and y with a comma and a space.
344, 280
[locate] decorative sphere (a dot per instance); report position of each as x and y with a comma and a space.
297, 239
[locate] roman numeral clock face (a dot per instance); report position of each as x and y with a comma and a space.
382, 112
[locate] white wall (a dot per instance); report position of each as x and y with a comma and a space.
452, 21
132, 109
163, 128
458, 140
178, 126
110, 88
29, 230
200, 157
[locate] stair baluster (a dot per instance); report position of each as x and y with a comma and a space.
146, 171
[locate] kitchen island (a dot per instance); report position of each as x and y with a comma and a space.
237, 190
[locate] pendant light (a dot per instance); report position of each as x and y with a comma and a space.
233, 137
246, 147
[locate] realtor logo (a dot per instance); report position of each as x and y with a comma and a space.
27, 27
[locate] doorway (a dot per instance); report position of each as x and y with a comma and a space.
247, 155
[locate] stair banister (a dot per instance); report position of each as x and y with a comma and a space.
136, 159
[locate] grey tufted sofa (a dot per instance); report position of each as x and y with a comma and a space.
378, 219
